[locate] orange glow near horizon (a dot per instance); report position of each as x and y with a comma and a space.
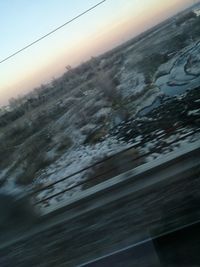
135, 19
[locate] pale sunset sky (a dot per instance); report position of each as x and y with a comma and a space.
110, 24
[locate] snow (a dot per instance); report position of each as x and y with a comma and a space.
81, 157
103, 112
131, 83
10, 187
88, 128
175, 141
195, 112
166, 68
73, 161
181, 73
193, 66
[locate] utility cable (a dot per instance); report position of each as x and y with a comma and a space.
53, 31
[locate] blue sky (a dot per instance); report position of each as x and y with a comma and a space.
23, 21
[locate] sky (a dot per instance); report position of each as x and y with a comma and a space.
109, 25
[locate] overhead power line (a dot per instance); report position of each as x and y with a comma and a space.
53, 31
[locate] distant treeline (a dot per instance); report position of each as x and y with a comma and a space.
190, 15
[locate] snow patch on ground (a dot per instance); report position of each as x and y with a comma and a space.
181, 73
195, 112
147, 99
131, 83
83, 156
172, 143
70, 163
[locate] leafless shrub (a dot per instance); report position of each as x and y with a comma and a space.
107, 85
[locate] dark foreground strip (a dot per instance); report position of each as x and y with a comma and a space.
180, 248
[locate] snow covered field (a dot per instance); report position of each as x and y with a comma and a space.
86, 156
137, 96
182, 73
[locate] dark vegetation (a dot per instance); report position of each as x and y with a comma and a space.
150, 64
16, 213
112, 167
31, 126
172, 114
184, 18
